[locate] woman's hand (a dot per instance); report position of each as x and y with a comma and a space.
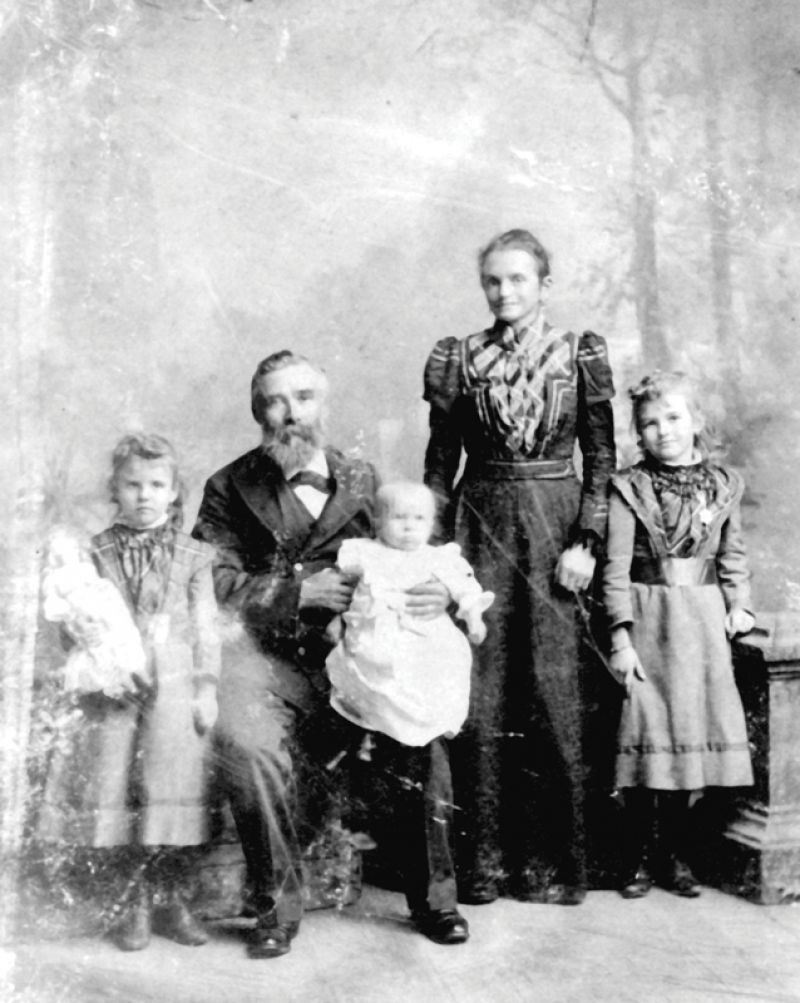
427, 600
329, 589
575, 568
739, 621
205, 708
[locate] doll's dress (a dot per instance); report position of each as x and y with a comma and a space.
76, 596
403, 676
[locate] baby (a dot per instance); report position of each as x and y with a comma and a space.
108, 656
406, 677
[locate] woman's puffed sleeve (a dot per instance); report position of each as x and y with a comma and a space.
442, 378
594, 368
595, 435
442, 388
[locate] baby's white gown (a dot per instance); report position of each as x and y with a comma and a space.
400, 675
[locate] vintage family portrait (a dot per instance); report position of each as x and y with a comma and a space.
401, 576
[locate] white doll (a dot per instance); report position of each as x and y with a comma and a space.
404, 676
108, 656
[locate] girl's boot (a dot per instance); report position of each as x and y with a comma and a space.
675, 875
171, 871
175, 921
638, 820
132, 932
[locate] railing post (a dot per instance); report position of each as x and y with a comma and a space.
763, 836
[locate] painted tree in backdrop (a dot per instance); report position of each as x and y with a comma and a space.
618, 45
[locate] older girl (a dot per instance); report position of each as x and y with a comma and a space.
133, 771
516, 397
676, 588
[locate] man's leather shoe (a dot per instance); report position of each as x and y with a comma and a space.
175, 922
442, 926
561, 894
132, 933
637, 884
271, 939
477, 894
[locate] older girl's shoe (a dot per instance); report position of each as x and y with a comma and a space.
679, 880
637, 884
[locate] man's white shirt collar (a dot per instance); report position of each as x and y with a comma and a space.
313, 499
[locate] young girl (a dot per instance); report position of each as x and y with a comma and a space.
676, 589
133, 771
407, 678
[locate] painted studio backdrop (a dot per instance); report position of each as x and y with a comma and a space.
189, 185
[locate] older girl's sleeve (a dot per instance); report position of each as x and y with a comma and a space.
617, 566
443, 454
595, 436
204, 617
732, 568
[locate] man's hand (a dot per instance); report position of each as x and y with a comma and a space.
575, 568
427, 600
328, 589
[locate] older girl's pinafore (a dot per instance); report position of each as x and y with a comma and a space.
676, 564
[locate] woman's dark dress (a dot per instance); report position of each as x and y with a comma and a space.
517, 766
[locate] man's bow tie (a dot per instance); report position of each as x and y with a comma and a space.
312, 479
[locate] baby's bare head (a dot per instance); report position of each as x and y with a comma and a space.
405, 512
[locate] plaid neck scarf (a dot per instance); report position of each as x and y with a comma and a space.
517, 368
145, 556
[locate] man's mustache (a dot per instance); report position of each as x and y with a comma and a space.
286, 433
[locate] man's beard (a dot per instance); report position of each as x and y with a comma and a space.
292, 446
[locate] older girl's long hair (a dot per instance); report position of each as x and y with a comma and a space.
656, 386
149, 447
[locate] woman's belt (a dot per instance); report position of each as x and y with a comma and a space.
674, 571
518, 470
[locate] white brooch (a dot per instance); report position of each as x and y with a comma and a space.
706, 515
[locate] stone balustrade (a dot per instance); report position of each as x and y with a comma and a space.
761, 840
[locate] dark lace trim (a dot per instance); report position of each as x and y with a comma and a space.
685, 481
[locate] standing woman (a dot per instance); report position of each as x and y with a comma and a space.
515, 398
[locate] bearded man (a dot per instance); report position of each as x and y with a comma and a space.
277, 516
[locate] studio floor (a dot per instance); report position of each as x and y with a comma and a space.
716, 948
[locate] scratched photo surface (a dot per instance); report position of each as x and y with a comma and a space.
189, 185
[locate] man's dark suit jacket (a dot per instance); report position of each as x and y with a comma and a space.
245, 513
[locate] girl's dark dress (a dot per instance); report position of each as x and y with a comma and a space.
517, 410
